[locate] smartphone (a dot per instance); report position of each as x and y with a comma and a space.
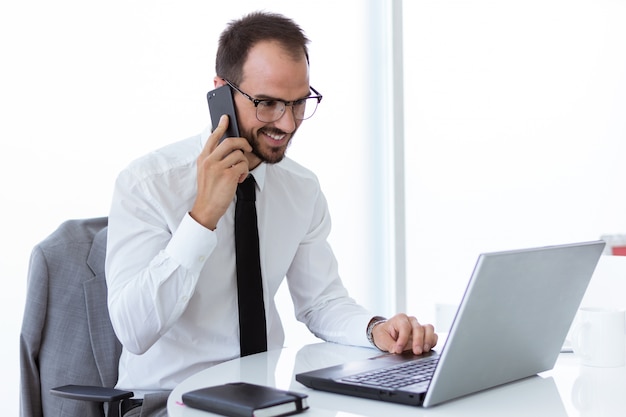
221, 102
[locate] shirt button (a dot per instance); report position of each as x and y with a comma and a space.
202, 258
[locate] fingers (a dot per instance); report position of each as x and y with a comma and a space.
227, 156
424, 337
430, 337
220, 167
403, 332
230, 144
215, 136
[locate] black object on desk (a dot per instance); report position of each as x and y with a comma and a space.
241, 399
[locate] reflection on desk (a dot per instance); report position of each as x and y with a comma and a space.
599, 392
567, 390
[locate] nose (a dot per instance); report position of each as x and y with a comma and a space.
287, 122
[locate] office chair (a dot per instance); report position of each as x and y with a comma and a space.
68, 351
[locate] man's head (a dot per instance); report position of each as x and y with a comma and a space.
264, 56
241, 35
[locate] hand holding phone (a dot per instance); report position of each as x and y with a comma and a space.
215, 192
221, 102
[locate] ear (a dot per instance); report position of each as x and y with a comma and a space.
218, 81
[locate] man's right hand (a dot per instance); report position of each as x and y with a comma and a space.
221, 167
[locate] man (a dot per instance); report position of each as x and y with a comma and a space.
171, 267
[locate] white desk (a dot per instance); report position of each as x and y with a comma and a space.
567, 390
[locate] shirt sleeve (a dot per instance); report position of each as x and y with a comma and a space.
153, 263
320, 298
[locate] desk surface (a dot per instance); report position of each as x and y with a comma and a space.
567, 390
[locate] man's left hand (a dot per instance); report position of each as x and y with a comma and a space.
402, 332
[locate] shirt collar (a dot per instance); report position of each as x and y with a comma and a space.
259, 175
258, 172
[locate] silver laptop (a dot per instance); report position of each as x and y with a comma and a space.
511, 324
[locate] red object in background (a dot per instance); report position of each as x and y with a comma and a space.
618, 250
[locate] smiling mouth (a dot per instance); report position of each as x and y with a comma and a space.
274, 135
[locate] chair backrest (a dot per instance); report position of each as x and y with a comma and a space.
66, 335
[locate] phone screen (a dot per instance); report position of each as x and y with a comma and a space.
221, 102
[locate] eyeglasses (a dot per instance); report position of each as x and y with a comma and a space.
268, 111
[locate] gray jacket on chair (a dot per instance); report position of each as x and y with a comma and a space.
66, 336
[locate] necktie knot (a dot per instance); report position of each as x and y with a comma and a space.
245, 190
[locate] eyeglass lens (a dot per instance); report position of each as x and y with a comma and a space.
272, 110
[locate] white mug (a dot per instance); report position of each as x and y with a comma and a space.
599, 338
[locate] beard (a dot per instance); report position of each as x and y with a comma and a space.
268, 154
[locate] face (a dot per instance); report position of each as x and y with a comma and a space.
270, 73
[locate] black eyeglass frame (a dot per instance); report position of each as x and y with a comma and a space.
257, 101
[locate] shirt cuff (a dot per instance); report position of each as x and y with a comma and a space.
191, 244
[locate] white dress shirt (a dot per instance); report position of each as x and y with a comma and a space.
172, 282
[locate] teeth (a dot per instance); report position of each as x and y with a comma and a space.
274, 135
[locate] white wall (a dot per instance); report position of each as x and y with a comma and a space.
516, 131
88, 86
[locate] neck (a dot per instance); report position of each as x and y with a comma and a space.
253, 161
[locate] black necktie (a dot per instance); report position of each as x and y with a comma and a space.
252, 333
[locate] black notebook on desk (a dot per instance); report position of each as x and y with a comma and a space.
511, 324
241, 399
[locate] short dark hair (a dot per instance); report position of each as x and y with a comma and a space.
241, 35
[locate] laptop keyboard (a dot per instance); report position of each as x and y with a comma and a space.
398, 376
